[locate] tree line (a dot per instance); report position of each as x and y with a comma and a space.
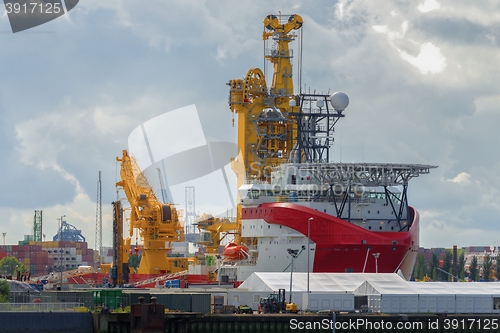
432, 271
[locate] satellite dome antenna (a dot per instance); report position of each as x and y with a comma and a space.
339, 101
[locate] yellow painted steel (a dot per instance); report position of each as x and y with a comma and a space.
158, 224
267, 132
217, 230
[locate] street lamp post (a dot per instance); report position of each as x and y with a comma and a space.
218, 257
60, 250
308, 250
294, 253
376, 255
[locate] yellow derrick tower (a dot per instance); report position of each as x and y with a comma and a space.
266, 129
158, 224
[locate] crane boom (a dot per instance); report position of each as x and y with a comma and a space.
158, 224
162, 187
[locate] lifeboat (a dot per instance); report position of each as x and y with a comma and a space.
233, 251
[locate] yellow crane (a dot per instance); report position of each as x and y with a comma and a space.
213, 231
158, 224
267, 130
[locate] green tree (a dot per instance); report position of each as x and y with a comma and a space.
487, 264
450, 276
461, 264
448, 257
9, 265
421, 267
473, 269
432, 266
497, 267
4, 291
134, 261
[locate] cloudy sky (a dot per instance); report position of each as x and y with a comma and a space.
422, 78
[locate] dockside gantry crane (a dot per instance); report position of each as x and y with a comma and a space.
158, 224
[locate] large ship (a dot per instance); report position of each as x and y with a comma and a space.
296, 209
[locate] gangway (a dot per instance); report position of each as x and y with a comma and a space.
160, 279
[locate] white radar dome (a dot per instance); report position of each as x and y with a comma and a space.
339, 101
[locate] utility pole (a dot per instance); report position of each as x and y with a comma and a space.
98, 226
4, 234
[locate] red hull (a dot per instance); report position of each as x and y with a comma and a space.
342, 246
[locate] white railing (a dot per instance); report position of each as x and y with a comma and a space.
39, 307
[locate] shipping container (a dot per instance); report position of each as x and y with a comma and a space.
201, 303
179, 302
172, 284
109, 298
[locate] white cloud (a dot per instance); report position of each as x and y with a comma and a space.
461, 178
429, 5
428, 61
420, 93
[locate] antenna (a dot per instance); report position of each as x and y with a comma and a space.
37, 226
98, 225
190, 215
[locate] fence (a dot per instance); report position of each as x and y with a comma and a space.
39, 307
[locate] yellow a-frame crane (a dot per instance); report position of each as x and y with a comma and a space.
158, 224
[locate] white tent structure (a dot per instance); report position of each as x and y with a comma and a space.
318, 282
391, 296
385, 292
471, 297
327, 291
433, 297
